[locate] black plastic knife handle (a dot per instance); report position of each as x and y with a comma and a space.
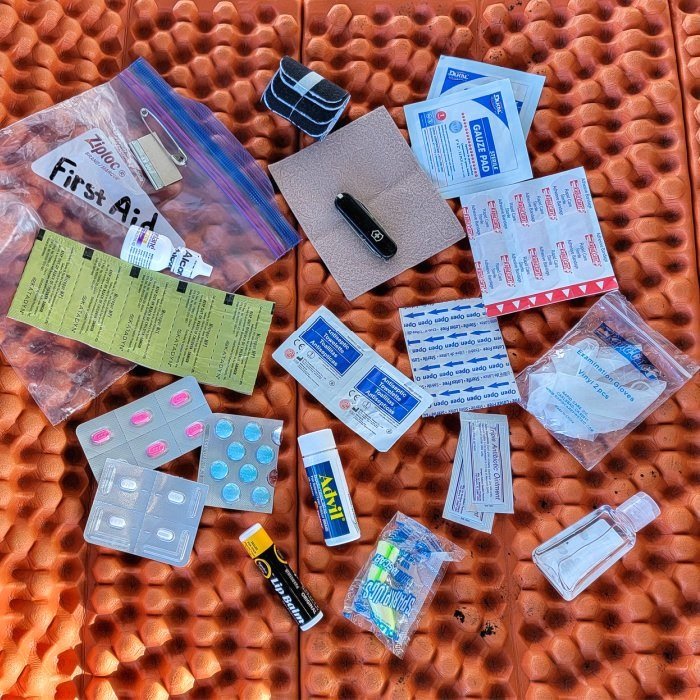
365, 225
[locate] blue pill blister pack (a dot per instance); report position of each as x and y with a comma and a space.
145, 512
239, 461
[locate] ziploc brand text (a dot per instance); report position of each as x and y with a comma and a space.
360, 388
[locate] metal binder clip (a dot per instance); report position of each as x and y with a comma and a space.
158, 163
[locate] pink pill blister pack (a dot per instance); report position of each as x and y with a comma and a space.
150, 431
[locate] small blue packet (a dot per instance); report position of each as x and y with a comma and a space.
398, 580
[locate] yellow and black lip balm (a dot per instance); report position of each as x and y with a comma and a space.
273, 566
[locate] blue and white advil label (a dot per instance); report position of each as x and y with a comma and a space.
487, 150
328, 500
351, 380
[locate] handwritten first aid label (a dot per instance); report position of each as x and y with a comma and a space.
351, 380
143, 316
457, 354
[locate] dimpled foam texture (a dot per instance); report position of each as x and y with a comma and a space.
82, 621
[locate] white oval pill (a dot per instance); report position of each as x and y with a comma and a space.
165, 534
116, 521
176, 497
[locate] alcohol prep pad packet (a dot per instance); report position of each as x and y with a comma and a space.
470, 140
144, 512
150, 431
239, 461
351, 380
602, 379
453, 74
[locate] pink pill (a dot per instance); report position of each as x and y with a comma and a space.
194, 429
100, 436
141, 418
180, 399
156, 449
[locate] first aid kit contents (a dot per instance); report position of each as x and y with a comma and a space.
602, 379
398, 581
537, 242
454, 74
305, 98
239, 461
141, 315
354, 383
146, 248
145, 512
369, 160
457, 354
584, 551
328, 487
273, 565
150, 431
470, 140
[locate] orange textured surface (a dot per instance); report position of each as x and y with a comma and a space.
622, 98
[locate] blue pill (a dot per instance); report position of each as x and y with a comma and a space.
277, 436
265, 454
230, 493
252, 432
218, 469
235, 451
223, 429
260, 496
247, 473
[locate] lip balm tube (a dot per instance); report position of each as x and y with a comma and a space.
273, 566
328, 487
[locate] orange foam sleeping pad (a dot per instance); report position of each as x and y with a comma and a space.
621, 98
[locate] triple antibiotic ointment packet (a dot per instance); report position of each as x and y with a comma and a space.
398, 580
354, 383
273, 566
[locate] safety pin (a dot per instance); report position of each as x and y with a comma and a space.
179, 158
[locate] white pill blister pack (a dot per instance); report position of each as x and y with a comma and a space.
145, 512
150, 431
239, 461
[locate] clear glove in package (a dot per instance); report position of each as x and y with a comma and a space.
129, 152
390, 593
602, 379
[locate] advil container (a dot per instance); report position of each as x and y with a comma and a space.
328, 487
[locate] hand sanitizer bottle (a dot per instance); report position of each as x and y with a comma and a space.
581, 553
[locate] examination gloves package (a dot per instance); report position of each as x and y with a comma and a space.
305, 98
398, 581
131, 151
145, 512
602, 379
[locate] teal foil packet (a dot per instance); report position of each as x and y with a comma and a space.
398, 581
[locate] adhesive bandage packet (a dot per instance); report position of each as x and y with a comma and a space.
351, 380
150, 431
488, 476
537, 243
470, 140
398, 581
602, 379
457, 355
141, 315
454, 74
239, 461
144, 512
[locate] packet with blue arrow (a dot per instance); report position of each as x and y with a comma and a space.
458, 356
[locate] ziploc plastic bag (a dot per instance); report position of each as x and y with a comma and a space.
602, 379
397, 582
71, 168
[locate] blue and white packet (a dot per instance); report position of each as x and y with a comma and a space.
458, 355
398, 581
351, 380
454, 74
470, 140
